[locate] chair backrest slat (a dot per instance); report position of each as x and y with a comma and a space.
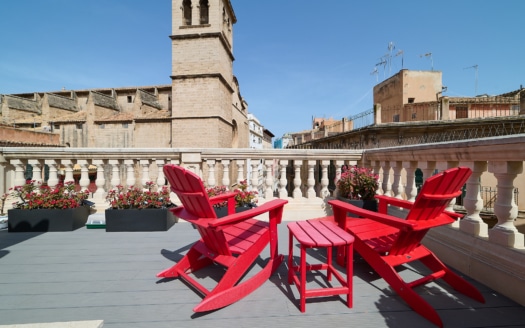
192, 194
435, 195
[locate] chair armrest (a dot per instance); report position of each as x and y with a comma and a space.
387, 200
274, 208
340, 209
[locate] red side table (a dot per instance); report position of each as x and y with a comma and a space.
318, 234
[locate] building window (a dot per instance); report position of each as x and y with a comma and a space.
462, 112
56, 126
79, 126
125, 125
130, 99
414, 116
101, 126
204, 12
395, 118
411, 100
186, 12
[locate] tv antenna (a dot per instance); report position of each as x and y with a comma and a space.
475, 67
400, 53
429, 55
375, 72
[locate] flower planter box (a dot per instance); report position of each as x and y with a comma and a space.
47, 220
370, 204
149, 219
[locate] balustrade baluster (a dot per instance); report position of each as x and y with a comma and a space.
505, 232
324, 179
255, 175
310, 182
19, 171
226, 173
283, 193
130, 172
100, 182
36, 166
161, 180
211, 172
338, 165
53, 175
269, 169
145, 171
240, 170
472, 223
84, 174
397, 186
297, 179
115, 173
410, 189
387, 185
68, 169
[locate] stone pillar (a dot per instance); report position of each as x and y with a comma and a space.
283, 193
473, 203
376, 165
377, 114
505, 232
411, 189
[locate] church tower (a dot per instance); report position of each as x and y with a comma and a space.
207, 110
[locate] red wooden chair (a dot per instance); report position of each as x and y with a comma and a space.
386, 242
234, 241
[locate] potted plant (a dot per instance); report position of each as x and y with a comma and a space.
244, 199
42, 208
358, 186
139, 209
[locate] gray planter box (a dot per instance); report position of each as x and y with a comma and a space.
47, 220
149, 219
370, 205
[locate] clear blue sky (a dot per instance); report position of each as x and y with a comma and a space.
294, 59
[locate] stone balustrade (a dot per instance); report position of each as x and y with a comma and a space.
306, 177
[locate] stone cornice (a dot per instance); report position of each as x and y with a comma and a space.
220, 36
204, 76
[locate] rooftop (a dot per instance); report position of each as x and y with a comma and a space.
90, 274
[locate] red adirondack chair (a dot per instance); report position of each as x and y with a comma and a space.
234, 241
386, 242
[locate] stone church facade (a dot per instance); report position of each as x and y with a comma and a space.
202, 108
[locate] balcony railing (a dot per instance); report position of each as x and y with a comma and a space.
306, 177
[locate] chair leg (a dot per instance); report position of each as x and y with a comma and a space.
226, 292
454, 280
192, 261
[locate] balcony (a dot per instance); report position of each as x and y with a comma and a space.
493, 257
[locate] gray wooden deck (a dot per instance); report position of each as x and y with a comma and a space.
90, 274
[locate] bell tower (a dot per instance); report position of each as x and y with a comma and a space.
207, 110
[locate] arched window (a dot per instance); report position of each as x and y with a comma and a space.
204, 11
186, 12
